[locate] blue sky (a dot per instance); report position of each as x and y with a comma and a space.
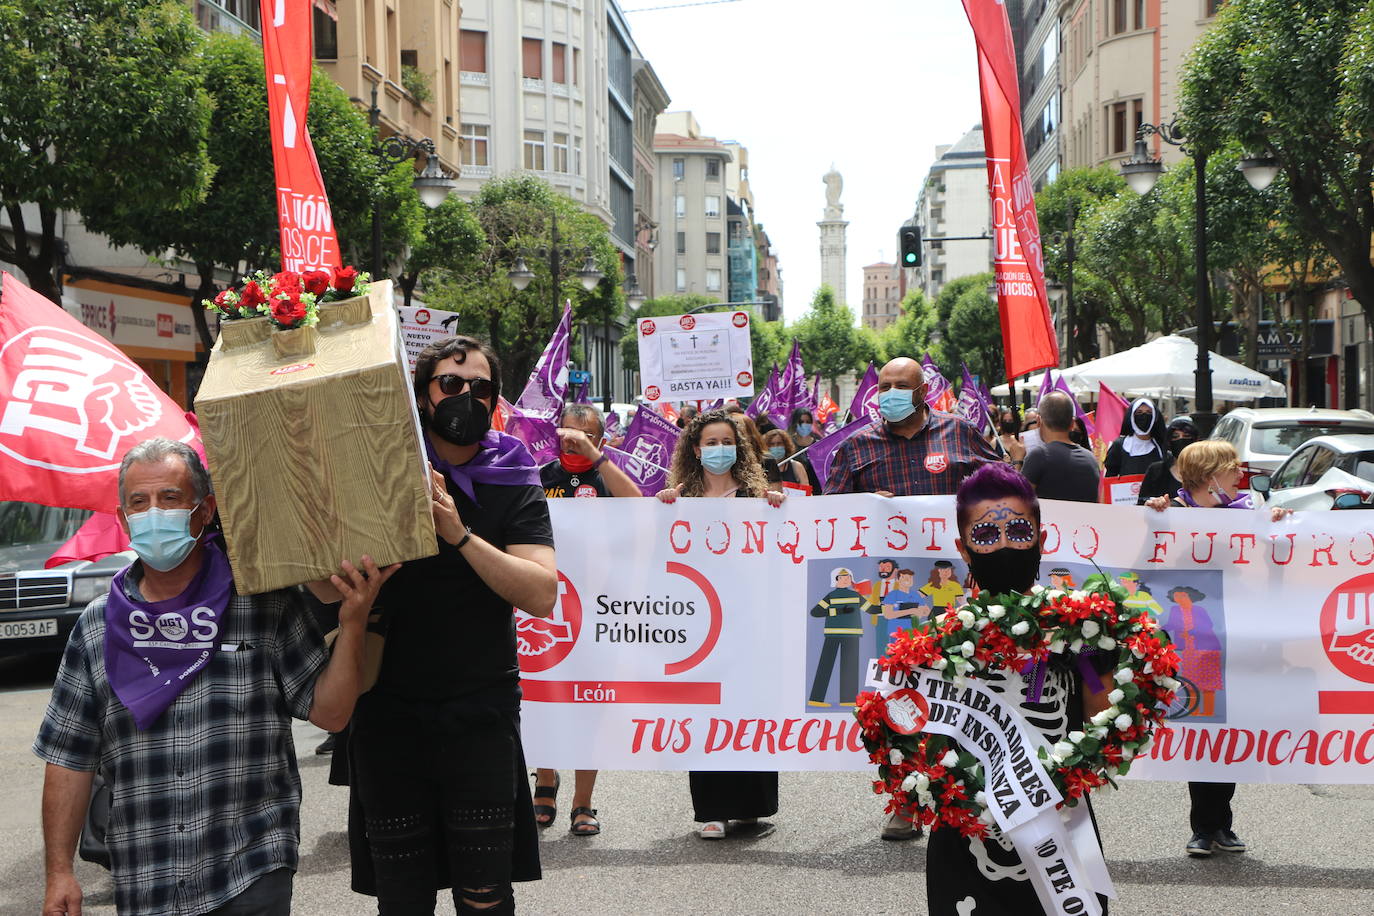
871, 85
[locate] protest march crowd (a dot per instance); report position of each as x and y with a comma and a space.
199, 768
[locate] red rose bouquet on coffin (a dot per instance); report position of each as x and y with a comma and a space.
1009, 631
288, 299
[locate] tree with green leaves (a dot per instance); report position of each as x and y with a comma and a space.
101, 109
910, 334
450, 241
830, 342
517, 214
973, 332
237, 220
1297, 80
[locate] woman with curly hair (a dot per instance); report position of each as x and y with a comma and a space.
715, 457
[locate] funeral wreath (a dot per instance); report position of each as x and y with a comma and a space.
288, 299
1015, 631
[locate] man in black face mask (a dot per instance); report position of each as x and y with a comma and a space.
1160, 479
1000, 538
439, 795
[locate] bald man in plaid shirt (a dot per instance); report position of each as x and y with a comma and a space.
915, 451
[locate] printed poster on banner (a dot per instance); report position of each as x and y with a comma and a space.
1122, 491
709, 642
691, 357
421, 326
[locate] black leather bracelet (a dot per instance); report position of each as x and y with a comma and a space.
600, 461
467, 536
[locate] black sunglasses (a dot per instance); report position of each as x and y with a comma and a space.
454, 384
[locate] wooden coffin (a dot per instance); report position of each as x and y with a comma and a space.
314, 445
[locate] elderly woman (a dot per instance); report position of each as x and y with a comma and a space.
1210, 473
716, 457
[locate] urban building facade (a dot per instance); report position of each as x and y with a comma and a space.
1036, 30
882, 302
953, 201
692, 199
650, 99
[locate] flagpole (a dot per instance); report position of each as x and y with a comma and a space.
611, 448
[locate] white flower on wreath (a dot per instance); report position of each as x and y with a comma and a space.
950, 759
1057, 646
996, 611
1062, 749
1090, 629
1078, 594
1116, 696
1075, 737
895, 755
1124, 675
1122, 722
1106, 643
966, 618
968, 648
1020, 628
909, 783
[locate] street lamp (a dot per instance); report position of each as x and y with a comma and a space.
1260, 171
634, 296
433, 184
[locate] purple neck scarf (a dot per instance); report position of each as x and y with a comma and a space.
155, 649
502, 460
1241, 501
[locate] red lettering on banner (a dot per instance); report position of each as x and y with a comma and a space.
785, 742
724, 547
831, 546
766, 729
1330, 543
1361, 755
665, 730
859, 529
540, 691
791, 549
1051, 546
833, 730
891, 545
1161, 548
1322, 751
1274, 752
717, 725
672, 536
1089, 553
1236, 734
1274, 548
753, 541
1209, 742
1367, 560
1245, 540
1307, 745
932, 524
1211, 546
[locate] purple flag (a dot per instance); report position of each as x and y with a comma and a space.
647, 452
540, 436
717, 404
799, 394
865, 403
577, 394
822, 451
970, 406
763, 401
548, 384
1088, 425
1046, 384
612, 424
936, 384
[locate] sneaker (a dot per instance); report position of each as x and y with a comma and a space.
1227, 841
1200, 846
712, 830
899, 828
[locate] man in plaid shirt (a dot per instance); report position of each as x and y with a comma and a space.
205, 795
915, 451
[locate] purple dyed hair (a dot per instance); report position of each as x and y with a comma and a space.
995, 480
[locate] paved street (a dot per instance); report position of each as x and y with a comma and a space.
1309, 846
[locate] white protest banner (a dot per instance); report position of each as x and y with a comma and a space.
693, 635
695, 357
422, 326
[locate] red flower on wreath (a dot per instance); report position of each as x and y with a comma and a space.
252, 296
222, 299
316, 282
288, 311
287, 281
344, 278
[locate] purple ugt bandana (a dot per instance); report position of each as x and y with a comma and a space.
502, 460
155, 649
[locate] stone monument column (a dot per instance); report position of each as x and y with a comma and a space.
833, 230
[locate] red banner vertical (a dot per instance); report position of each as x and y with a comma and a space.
307, 224
1028, 339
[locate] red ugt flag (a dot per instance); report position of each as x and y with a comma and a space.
1028, 340
71, 405
307, 224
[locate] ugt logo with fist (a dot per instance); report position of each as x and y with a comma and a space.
1347, 624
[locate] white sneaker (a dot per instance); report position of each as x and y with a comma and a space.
713, 830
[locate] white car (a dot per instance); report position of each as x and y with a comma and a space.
1265, 436
1323, 468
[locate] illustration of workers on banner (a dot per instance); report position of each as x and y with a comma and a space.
842, 609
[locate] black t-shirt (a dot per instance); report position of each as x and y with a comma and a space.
1062, 470
560, 483
448, 635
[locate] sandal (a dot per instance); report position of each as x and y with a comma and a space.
544, 815
712, 830
589, 827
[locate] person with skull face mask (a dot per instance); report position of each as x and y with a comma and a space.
1001, 539
1139, 446
1162, 478
438, 794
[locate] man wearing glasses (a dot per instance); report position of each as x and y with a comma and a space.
439, 798
914, 451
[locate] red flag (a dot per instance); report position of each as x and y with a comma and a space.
668, 411
71, 405
97, 539
307, 224
1110, 414
1028, 340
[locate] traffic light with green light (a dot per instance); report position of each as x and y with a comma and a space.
910, 243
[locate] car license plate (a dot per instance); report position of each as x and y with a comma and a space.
24, 629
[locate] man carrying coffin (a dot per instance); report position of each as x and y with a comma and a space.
181, 692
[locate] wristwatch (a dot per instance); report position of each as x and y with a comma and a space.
467, 536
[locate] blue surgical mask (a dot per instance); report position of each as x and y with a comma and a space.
804, 429
162, 537
718, 459
895, 404
778, 452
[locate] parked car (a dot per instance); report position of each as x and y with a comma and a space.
1321, 471
1265, 436
39, 607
